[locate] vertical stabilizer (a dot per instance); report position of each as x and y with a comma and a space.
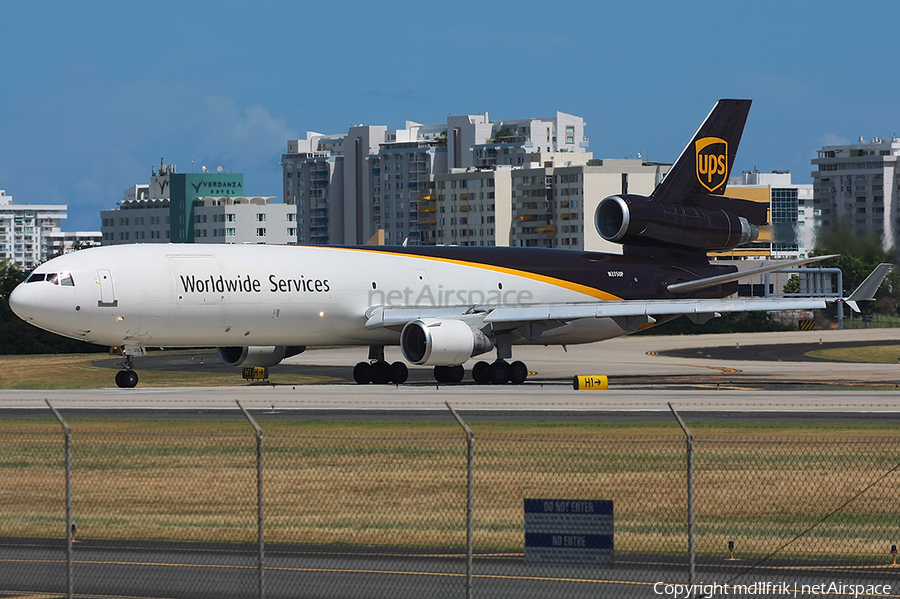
704, 166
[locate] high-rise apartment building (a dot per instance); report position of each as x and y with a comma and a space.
29, 233
858, 186
347, 187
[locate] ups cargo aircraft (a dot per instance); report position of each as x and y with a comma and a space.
442, 305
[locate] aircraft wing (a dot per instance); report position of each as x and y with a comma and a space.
630, 314
614, 309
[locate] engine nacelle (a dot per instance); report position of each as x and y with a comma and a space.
258, 355
630, 219
442, 342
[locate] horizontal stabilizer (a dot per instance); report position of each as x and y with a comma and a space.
690, 286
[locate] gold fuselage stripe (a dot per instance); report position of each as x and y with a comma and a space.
577, 287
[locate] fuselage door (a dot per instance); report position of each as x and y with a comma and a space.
107, 290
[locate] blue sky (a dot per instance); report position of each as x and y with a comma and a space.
93, 94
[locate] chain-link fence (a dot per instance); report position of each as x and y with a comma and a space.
382, 509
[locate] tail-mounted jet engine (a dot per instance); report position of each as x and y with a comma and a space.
439, 342
638, 220
258, 355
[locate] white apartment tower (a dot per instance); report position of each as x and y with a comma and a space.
25, 230
858, 185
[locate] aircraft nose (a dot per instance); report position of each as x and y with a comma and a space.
21, 301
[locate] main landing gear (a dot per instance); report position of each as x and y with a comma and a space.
499, 372
379, 371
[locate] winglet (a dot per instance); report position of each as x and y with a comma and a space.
866, 290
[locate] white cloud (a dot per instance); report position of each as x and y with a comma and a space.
243, 137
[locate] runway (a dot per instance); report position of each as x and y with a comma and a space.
643, 379
161, 569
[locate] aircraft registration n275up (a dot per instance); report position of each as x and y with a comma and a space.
442, 305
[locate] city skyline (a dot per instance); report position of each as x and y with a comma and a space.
98, 93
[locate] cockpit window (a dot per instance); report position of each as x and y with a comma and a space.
56, 278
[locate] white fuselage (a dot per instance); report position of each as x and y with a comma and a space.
235, 295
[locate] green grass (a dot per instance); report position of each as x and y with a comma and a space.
876, 354
402, 483
77, 371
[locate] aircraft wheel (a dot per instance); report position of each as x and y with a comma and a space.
362, 373
499, 372
518, 372
440, 374
380, 372
481, 373
457, 373
399, 373
126, 379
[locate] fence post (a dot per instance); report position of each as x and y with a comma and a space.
470, 501
260, 520
70, 558
690, 492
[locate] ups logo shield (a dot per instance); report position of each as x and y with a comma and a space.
712, 162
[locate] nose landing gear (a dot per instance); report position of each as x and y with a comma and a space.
127, 378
